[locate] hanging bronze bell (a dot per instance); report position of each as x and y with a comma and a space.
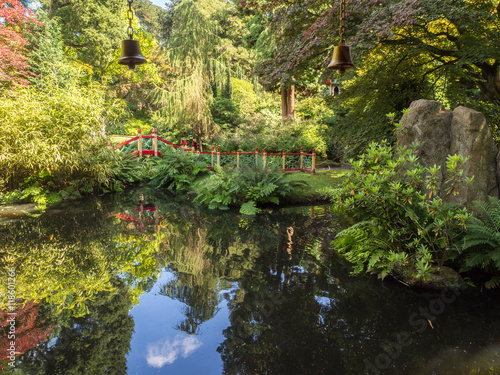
341, 59
131, 54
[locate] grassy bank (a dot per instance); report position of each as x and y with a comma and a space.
322, 179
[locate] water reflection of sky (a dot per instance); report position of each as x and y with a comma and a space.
157, 347
167, 351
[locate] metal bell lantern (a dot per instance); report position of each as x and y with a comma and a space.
341, 59
131, 52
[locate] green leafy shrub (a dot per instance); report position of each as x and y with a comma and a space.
176, 170
312, 108
245, 189
402, 222
481, 245
225, 113
275, 135
243, 96
33, 193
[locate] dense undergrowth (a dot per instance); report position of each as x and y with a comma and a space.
401, 224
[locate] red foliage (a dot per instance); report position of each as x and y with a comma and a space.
30, 331
14, 22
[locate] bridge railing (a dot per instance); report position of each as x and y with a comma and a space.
143, 145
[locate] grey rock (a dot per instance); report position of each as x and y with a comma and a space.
428, 123
471, 137
440, 132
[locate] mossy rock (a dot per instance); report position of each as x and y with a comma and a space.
438, 278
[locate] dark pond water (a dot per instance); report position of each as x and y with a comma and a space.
140, 283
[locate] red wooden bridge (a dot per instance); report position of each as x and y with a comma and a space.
145, 145
142, 145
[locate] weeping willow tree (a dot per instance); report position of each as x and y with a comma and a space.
185, 105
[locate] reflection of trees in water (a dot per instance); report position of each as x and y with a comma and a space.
30, 330
67, 260
317, 319
210, 251
94, 344
58, 256
276, 327
295, 311
201, 301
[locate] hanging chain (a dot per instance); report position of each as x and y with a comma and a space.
342, 22
130, 16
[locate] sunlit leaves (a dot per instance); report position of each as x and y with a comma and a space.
91, 30
56, 131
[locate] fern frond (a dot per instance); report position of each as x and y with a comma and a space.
494, 282
249, 208
476, 259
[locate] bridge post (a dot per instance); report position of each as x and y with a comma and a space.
237, 159
283, 153
155, 142
139, 143
265, 159
192, 147
313, 167
213, 151
301, 159
218, 156
256, 157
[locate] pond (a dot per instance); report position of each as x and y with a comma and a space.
144, 283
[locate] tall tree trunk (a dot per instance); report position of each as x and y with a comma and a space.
284, 104
490, 87
198, 134
290, 93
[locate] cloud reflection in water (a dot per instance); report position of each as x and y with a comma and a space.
166, 352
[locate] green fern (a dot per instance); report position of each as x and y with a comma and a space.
494, 282
244, 188
361, 248
481, 244
176, 170
249, 208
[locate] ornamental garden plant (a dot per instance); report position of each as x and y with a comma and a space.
402, 226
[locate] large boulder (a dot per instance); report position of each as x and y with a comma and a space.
471, 137
440, 132
428, 123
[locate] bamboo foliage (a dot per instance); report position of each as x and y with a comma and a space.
50, 133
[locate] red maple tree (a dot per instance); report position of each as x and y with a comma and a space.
15, 20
